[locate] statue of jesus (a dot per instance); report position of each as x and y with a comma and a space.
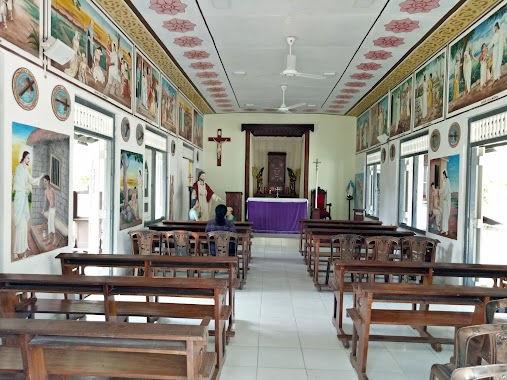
204, 195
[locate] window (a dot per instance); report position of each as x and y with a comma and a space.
54, 171
372, 184
413, 206
155, 177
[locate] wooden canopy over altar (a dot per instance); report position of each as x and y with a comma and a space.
277, 130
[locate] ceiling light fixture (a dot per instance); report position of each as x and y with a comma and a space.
311, 105
239, 72
249, 105
329, 74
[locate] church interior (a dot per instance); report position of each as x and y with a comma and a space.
253, 190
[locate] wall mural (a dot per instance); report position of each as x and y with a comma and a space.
198, 129
40, 191
429, 92
363, 127
131, 184
444, 195
168, 110
359, 191
379, 120
185, 113
401, 108
20, 25
102, 55
147, 89
476, 63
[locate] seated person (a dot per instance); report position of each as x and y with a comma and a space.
220, 223
193, 213
230, 215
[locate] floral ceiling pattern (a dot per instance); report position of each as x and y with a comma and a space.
182, 26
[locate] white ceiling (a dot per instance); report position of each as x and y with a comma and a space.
332, 36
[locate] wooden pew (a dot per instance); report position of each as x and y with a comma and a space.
110, 286
321, 238
113, 349
304, 223
427, 271
364, 315
243, 229
75, 263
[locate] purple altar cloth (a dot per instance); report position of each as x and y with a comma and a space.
278, 215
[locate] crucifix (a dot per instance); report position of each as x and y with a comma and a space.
316, 162
219, 140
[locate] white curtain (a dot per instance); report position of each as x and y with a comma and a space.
293, 146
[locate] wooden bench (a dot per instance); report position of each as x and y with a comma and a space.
113, 349
322, 237
427, 271
117, 310
244, 231
363, 315
305, 223
75, 263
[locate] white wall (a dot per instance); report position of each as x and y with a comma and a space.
332, 142
449, 250
42, 117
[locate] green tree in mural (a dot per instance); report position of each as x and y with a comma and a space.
126, 158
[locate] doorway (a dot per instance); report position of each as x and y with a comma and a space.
487, 206
92, 183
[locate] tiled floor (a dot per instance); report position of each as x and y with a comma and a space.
284, 329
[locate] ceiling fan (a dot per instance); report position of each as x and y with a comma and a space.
283, 107
291, 71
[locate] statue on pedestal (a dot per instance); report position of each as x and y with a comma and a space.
293, 176
258, 176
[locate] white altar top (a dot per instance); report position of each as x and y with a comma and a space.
278, 200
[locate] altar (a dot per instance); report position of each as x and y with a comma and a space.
278, 215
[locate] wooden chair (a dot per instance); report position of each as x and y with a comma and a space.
143, 243
343, 247
418, 248
179, 243
383, 248
323, 207
220, 242
466, 354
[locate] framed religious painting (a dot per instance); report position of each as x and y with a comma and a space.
25, 89
454, 135
362, 131
476, 61
103, 57
147, 89
168, 106
429, 92
435, 140
60, 102
379, 113
125, 129
21, 27
198, 129
401, 108
185, 115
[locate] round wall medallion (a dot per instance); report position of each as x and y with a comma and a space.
25, 89
383, 155
435, 140
454, 135
173, 148
139, 134
197, 156
125, 129
60, 102
392, 152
